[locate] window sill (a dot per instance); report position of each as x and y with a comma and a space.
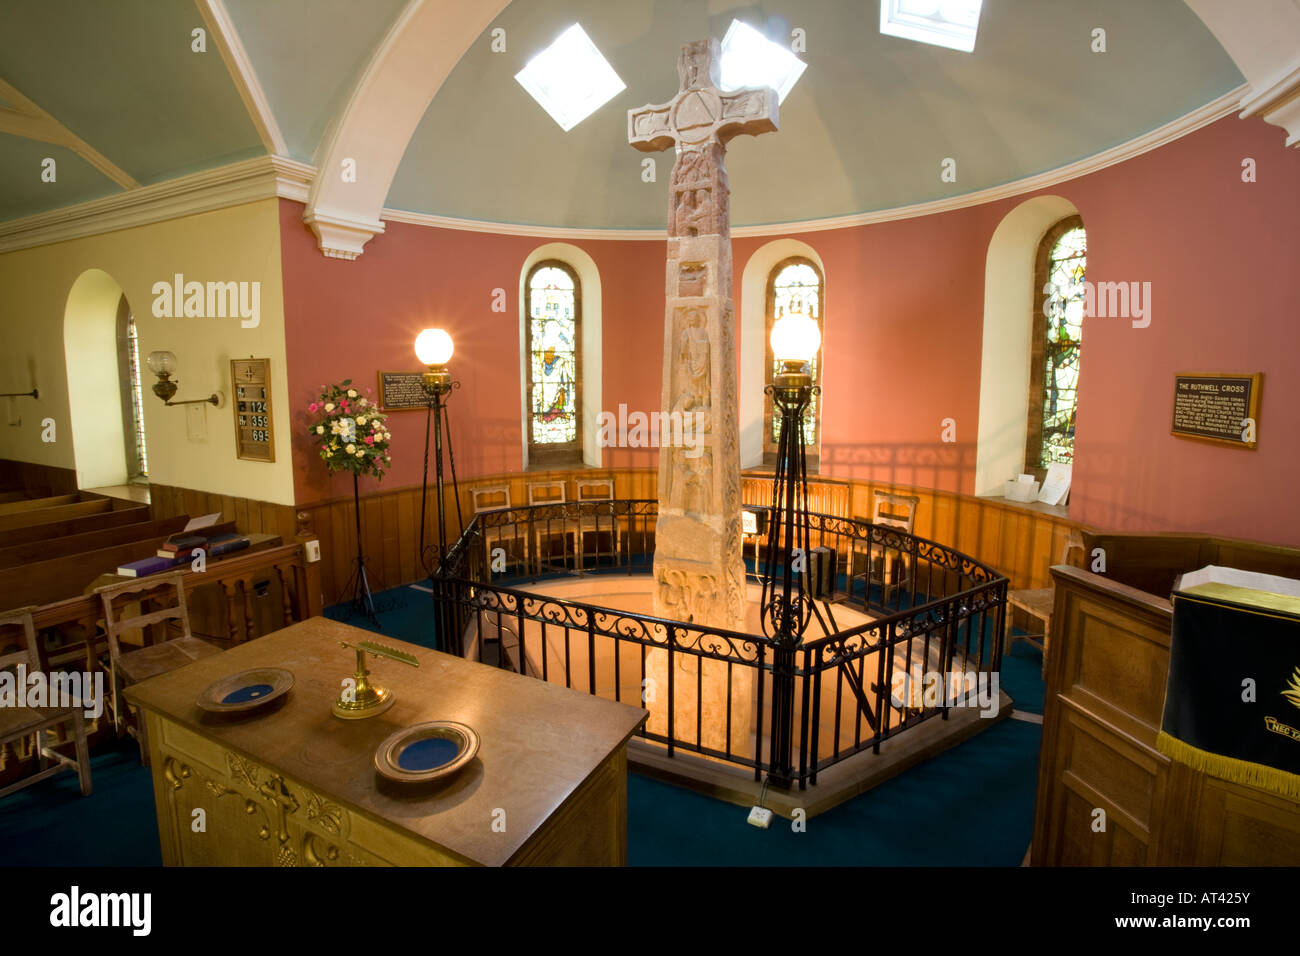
1056, 511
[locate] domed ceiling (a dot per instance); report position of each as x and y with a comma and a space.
865, 128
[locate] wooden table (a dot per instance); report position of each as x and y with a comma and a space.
296, 786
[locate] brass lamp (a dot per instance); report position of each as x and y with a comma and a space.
434, 348
163, 364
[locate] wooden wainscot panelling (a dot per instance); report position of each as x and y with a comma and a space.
1021, 541
390, 520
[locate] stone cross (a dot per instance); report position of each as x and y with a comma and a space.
698, 569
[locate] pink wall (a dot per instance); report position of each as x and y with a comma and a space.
904, 331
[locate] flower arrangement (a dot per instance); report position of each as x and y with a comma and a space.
350, 431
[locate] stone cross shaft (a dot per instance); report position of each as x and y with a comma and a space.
699, 572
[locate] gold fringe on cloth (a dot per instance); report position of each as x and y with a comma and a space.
1275, 781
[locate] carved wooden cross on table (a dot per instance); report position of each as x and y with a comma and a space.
700, 120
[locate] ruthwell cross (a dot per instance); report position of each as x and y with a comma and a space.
698, 569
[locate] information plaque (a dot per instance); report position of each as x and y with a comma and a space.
402, 391
1217, 407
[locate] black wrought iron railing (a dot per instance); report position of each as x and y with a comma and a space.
912, 630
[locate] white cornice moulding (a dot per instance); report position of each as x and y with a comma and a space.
340, 236
344, 236
1214, 110
249, 180
1278, 103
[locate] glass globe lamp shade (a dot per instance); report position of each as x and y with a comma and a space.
161, 363
795, 338
433, 347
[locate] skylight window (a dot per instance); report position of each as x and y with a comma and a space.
950, 23
570, 79
751, 59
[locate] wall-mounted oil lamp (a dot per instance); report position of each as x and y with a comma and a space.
163, 364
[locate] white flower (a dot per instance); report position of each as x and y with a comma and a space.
352, 393
329, 406
361, 453
320, 429
351, 448
363, 403
361, 419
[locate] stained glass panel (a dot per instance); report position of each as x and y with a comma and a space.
798, 289
553, 355
1064, 307
141, 468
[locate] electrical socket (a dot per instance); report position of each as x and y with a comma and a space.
313, 551
760, 817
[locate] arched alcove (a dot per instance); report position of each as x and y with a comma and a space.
94, 387
753, 339
591, 368
1008, 338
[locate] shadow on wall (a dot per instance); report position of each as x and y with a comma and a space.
943, 467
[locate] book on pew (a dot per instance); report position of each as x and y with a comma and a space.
146, 566
212, 548
226, 543
182, 542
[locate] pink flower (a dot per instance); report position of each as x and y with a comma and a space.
369, 440
313, 406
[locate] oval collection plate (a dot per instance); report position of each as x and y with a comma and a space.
425, 752
245, 691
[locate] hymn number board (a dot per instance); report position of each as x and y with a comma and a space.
254, 434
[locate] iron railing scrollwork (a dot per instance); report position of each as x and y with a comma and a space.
932, 609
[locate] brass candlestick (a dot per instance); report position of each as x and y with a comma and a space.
364, 698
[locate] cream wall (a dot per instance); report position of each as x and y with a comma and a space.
238, 244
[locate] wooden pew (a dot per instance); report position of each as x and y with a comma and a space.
72, 639
43, 582
27, 519
37, 504
123, 513
18, 555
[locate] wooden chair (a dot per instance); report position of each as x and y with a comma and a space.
18, 723
548, 529
603, 521
497, 498
129, 666
890, 568
1037, 604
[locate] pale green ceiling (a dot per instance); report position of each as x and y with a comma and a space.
25, 193
121, 75
308, 55
865, 128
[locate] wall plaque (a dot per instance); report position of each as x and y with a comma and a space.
251, 385
402, 391
1214, 406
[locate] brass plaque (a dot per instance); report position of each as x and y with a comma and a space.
402, 391
1214, 406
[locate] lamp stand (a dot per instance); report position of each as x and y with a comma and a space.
359, 597
437, 386
786, 604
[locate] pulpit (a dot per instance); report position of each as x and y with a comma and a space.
293, 785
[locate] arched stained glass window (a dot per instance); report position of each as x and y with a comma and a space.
794, 286
554, 310
1058, 335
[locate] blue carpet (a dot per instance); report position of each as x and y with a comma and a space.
970, 806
